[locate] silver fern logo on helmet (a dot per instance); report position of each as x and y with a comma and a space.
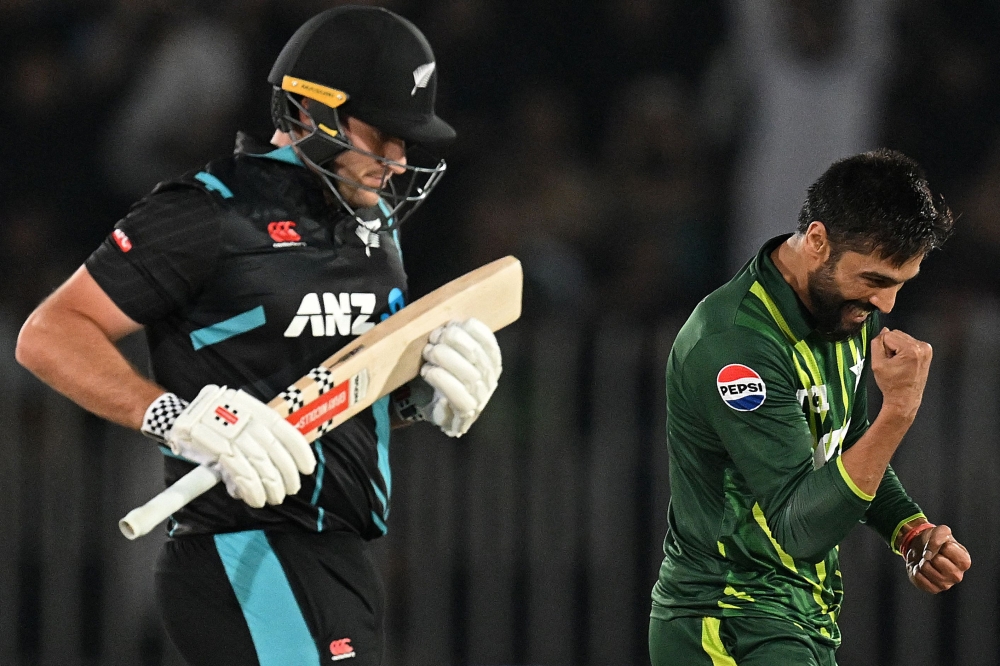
422, 76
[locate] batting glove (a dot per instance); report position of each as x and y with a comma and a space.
256, 453
462, 366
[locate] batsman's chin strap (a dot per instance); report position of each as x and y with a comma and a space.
160, 416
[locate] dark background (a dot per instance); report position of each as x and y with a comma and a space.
632, 154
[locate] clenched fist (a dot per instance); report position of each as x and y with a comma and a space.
935, 561
900, 363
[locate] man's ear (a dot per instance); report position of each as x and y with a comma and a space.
817, 243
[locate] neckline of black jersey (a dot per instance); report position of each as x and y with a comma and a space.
251, 147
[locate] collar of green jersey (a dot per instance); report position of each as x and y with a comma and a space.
794, 312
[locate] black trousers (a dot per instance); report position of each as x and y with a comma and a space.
265, 598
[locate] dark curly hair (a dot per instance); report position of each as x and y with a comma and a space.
878, 202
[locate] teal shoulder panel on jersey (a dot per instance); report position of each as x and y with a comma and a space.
213, 184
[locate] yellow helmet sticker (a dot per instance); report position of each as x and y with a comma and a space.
331, 132
329, 96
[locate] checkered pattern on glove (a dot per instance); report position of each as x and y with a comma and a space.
160, 416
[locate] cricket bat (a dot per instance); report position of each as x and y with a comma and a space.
370, 367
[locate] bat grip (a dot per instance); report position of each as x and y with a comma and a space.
141, 520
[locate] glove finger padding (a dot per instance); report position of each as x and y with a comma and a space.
271, 479
291, 440
278, 456
450, 387
455, 337
487, 341
240, 476
451, 423
448, 359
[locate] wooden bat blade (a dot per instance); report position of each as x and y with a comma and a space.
363, 371
389, 355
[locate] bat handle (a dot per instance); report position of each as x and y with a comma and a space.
141, 520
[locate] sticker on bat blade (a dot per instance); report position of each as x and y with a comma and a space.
741, 387
338, 399
346, 356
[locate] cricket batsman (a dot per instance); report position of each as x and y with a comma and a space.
773, 458
245, 274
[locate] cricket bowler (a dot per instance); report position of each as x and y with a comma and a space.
773, 458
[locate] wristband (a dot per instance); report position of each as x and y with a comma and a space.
904, 545
160, 416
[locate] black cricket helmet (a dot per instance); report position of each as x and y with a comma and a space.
373, 65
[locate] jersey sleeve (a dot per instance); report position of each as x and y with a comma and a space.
891, 509
808, 510
159, 256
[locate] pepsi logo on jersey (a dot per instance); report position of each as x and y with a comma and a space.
741, 387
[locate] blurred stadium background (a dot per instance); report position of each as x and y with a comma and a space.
632, 153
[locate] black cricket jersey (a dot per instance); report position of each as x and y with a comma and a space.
245, 274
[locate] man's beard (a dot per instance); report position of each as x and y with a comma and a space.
830, 309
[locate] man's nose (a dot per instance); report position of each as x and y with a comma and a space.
884, 299
395, 151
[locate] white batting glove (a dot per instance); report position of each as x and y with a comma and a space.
257, 454
463, 365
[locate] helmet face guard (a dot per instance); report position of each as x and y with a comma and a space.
370, 64
321, 138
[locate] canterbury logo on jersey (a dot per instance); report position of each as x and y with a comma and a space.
342, 649
123, 242
283, 235
334, 316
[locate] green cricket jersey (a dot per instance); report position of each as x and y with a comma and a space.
759, 409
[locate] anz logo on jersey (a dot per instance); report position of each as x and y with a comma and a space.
333, 314
330, 314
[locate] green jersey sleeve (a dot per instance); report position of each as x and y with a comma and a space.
891, 509
744, 385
